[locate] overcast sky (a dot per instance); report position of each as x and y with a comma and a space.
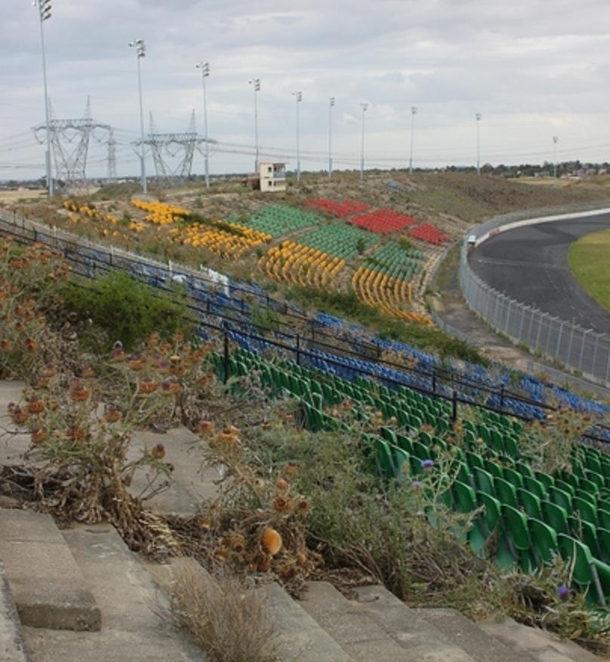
533, 69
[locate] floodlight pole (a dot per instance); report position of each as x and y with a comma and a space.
555, 141
256, 84
413, 113
44, 13
331, 103
364, 107
478, 117
298, 95
140, 46
205, 72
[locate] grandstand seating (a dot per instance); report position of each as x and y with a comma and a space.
383, 221
277, 220
339, 209
430, 234
408, 428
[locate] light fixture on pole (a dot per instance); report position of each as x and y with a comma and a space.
555, 141
413, 113
364, 107
205, 72
331, 103
478, 117
256, 84
44, 12
298, 95
140, 46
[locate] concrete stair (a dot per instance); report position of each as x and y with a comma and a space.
80, 594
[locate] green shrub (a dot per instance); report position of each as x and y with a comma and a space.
126, 309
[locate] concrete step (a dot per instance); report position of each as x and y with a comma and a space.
130, 603
478, 643
12, 646
540, 645
14, 439
47, 585
191, 481
420, 639
359, 636
297, 635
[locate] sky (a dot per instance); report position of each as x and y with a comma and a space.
534, 70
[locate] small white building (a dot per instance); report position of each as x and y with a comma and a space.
272, 176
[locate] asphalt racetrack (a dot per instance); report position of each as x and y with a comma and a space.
530, 264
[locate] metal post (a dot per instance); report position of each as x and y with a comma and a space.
226, 357
330, 136
205, 72
44, 12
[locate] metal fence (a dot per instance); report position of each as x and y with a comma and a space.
575, 347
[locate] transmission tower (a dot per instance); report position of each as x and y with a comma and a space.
70, 139
173, 152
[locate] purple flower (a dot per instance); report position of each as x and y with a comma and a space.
563, 592
416, 484
426, 465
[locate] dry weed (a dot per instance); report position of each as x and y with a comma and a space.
225, 617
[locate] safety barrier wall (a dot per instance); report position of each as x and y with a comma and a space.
575, 347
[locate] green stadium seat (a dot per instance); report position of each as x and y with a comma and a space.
555, 516
513, 476
474, 460
544, 478
530, 502
493, 467
484, 481
544, 541
560, 497
585, 570
595, 477
586, 510
517, 537
603, 517
506, 492
603, 538
588, 485
534, 486
524, 469
585, 532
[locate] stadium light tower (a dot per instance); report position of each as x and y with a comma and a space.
478, 117
44, 12
298, 95
140, 46
331, 103
256, 85
364, 107
413, 113
205, 72
555, 141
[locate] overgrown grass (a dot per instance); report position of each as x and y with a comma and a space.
588, 260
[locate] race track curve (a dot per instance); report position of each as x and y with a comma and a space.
530, 264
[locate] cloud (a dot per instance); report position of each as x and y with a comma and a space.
521, 64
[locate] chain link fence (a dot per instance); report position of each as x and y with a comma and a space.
577, 348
